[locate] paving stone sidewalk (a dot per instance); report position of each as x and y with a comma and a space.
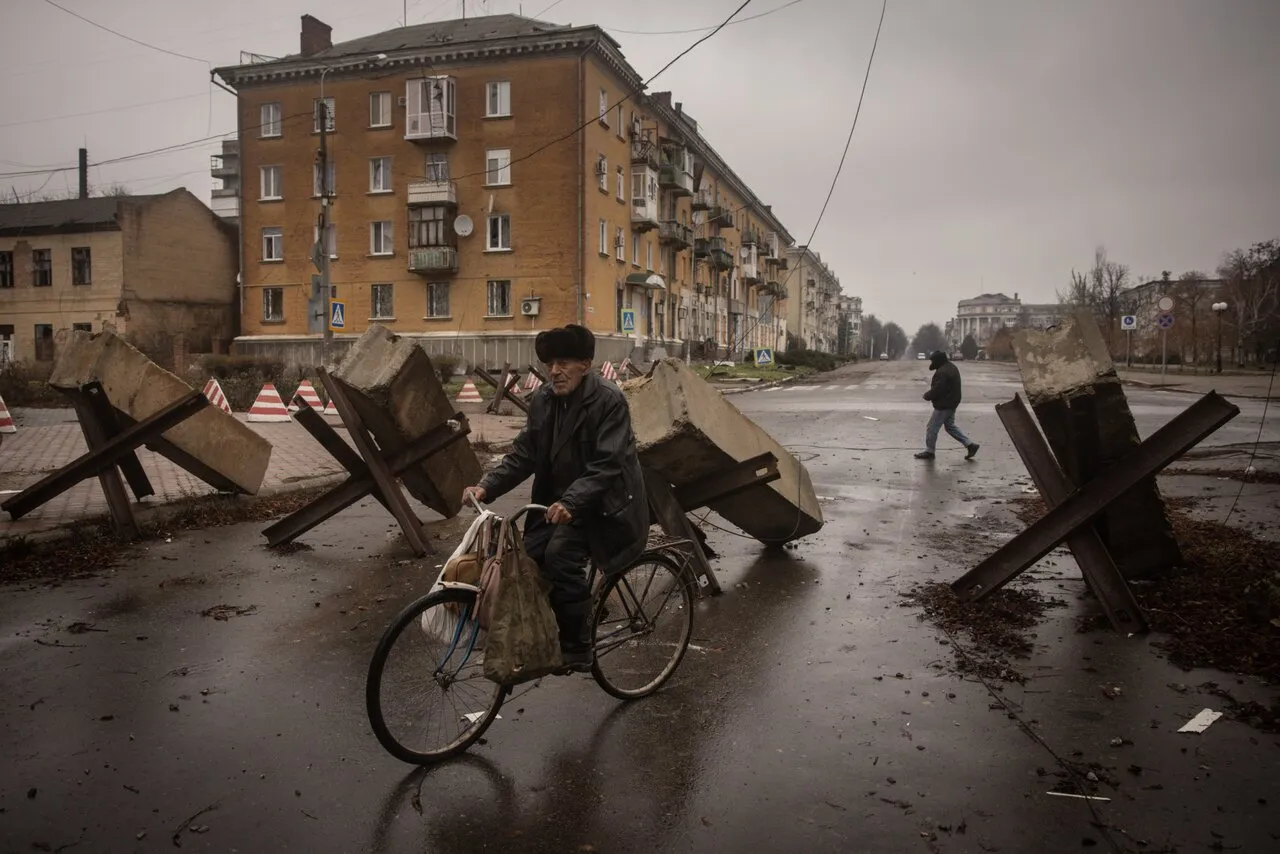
297, 462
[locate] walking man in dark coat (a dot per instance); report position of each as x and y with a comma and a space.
944, 394
581, 451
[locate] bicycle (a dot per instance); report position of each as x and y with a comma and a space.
650, 600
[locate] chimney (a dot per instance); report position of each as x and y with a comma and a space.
316, 36
84, 173
1015, 296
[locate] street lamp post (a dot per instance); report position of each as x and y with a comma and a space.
1218, 309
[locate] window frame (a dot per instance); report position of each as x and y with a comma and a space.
385, 229
79, 277
267, 301
602, 172
316, 189
381, 98
438, 222
502, 88
276, 234
278, 172
489, 234
387, 186
43, 264
7, 271
492, 177
331, 238
635, 249
604, 237
276, 122
504, 286
604, 107
435, 288
620, 130
622, 184
620, 243
374, 290
331, 123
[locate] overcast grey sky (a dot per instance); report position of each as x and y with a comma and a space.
1000, 140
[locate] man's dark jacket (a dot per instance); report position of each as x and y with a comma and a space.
593, 454
945, 389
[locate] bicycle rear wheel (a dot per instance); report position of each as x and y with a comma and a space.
642, 626
426, 693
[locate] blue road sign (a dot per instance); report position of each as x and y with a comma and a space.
628, 320
1165, 321
337, 315
764, 357
1129, 322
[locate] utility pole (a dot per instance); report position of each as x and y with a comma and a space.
322, 240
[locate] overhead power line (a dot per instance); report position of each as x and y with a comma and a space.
702, 29
100, 112
127, 38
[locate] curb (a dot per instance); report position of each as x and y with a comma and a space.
1174, 387
761, 387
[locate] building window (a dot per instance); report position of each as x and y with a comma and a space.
81, 266
497, 100
431, 108
620, 244
622, 185
604, 108
380, 175
619, 127
272, 244
429, 227
270, 119
380, 110
269, 183
438, 299
316, 188
323, 106
648, 254
331, 238
499, 304
381, 241
272, 305
437, 167
602, 173
82, 327
498, 167
635, 249
42, 268
499, 233
604, 238
6, 269
381, 303
44, 342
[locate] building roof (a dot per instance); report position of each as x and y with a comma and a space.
987, 298
459, 31
69, 215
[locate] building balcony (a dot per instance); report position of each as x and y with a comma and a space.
721, 216
721, 259
703, 200
644, 153
225, 206
224, 165
751, 273
674, 178
644, 216
675, 233
433, 193
703, 246
433, 259
750, 237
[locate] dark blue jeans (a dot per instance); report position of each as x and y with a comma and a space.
943, 418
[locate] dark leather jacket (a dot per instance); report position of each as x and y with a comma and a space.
595, 454
944, 391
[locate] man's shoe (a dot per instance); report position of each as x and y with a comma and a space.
576, 661
924, 455
972, 449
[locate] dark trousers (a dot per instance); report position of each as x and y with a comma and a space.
561, 552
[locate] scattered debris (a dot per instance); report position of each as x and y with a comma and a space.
1081, 797
1201, 721
226, 612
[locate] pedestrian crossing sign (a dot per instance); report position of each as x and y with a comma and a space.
628, 320
337, 314
764, 357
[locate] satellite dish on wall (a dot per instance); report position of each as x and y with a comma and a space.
462, 226
744, 253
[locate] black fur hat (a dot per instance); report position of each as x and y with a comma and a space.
566, 342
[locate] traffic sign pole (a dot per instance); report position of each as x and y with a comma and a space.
1164, 349
1128, 348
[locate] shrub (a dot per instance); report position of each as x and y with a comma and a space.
446, 366
807, 358
224, 367
25, 384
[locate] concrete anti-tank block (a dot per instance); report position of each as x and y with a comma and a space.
211, 444
397, 393
1071, 356
687, 430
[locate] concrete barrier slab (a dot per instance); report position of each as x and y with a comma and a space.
688, 431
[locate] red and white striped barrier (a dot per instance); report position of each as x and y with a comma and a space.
307, 394
213, 391
608, 371
469, 393
532, 383
6, 420
622, 369
268, 406
330, 409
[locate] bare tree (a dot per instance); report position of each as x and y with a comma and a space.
1251, 283
1189, 296
1101, 290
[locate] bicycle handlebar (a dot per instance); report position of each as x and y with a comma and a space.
516, 516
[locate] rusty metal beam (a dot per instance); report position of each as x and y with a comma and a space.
1163, 447
666, 509
732, 481
1086, 546
501, 392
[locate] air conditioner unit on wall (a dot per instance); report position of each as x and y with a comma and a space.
530, 306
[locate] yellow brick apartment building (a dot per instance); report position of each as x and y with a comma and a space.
489, 178
147, 267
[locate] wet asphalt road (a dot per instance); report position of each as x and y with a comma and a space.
814, 713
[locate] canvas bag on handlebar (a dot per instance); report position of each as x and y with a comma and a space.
465, 564
523, 640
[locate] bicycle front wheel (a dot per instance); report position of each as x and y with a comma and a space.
642, 625
426, 694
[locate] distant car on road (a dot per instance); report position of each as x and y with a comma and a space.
884, 357
921, 356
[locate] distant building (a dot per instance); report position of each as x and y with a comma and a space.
850, 330
225, 168
147, 267
985, 315
813, 311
